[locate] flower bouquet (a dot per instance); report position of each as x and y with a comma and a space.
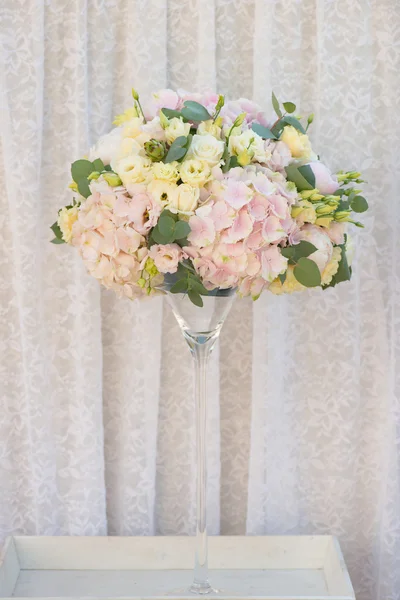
198, 198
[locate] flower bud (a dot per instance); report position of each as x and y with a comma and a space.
316, 197
220, 103
244, 158
73, 186
164, 122
323, 209
310, 118
238, 122
155, 149
112, 178
324, 221
342, 215
141, 282
94, 175
135, 95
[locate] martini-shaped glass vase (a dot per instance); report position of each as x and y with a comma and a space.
201, 327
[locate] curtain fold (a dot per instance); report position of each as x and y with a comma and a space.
97, 421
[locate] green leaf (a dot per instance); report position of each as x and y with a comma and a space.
57, 241
359, 204
308, 174
181, 286
170, 114
182, 230
166, 226
303, 249
226, 159
56, 230
294, 175
81, 169
343, 205
108, 168
264, 132
98, 165
177, 149
289, 107
159, 238
83, 187
294, 123
288, 252
193, 111
275, 104
307, 273
197, 286
233, 162
282, 277
344, 271
195, 298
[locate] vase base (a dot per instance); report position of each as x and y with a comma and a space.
201, 588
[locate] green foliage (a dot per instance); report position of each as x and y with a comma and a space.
178, 148
193, 111
81, 169
195, 298
98, 165
264, 132
83, 187
169, 229
57, 241
275, 104
294, 122
182, 230
188, 282
303, 177
300, 250
170, 113
289, 107
358, 204
58, 234
307, 273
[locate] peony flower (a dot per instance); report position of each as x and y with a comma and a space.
272, 263
107, 147
317, 236
202, 231
336, 232
325, 182
207, 148
166, 257
66, 219
185, 200
134, 169
176, 127
237, 194
167, 171
297, 142
195, 172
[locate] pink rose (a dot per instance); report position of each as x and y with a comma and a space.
166, 257
325, 182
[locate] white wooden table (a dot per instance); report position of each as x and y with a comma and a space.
263, 567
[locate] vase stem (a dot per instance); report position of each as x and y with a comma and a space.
201, 349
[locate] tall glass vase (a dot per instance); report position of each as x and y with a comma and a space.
201, 327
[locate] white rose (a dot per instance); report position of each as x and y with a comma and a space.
166, 171
107, 147
250, 142
195, 172
209, 127
206, 147
186, 199
134, 169
164, 192
175, 128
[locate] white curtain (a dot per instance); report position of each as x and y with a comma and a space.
96, 414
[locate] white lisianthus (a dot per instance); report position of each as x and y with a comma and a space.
134, 169
297, 142
186, 199
206, 147
251, 143
175, 128
107, 147
209, 127
195, 172
163, 192
66, 219
133, 128
166, 171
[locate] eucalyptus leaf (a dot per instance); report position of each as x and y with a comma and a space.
181, 286
170, 113
233, 162
98, 165
344, 271
195, 298
57, 241
288, 252
303, 249
282, 277
308, 174
177, 149
159, 238
182, 230
275, 104
307, 273
264, 132
83, 187
293, 122
81, 169
359, 204
293, 174
289, 107
193, 111
56, 230
197, 286
166, 226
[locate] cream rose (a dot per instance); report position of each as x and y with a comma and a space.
186, 199
175, 128
107, 147
134, 169
249, 142
195, 172
206, 147
167, 171
209, 127
297, 142
164, 192
66, 219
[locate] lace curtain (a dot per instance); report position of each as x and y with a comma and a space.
96, 415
